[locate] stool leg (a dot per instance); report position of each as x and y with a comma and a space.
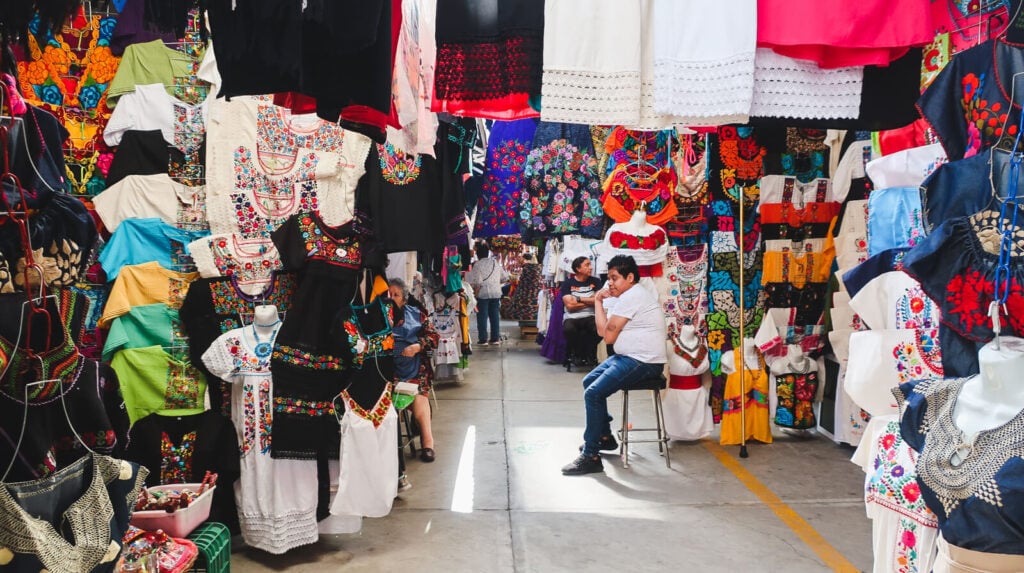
662, 432
655, 394
624, 443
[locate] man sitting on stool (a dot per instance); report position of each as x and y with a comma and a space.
636, 326
578, 293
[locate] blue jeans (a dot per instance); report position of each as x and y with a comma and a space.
488, 308
612, 375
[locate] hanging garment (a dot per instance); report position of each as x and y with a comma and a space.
640, 176
367, 484
263, 167
904, 531
977, 502
149, 196
785, 87
840, 34
276, 498
561, 187
142, 326
149, 107
489, 57
41, 173
409, 199
702, 79
138, 241
413, 78
145, 153
755, 402
684, 297
968, 104
148, 63
507, 150
250, 264
881, 360
148, 283
689, 226
907, 168
89, 501
446, 323
554, 346
893, 300
964, 187
524, 299
895, 219
153, 381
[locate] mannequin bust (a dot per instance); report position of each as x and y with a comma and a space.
265, 323
687, 355
751, 358
993, 397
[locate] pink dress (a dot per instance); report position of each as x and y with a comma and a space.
841, 33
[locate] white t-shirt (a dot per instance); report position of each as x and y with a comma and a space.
643, 337
150, 107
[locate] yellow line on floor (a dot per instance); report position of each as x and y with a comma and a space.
830, 555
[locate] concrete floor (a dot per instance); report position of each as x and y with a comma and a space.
495, 500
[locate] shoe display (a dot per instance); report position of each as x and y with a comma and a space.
584, 464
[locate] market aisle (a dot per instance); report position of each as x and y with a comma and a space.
495, 500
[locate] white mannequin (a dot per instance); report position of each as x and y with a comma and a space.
993, 397
751, 358
688, 340
265, 323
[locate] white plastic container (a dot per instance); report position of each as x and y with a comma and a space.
181, 522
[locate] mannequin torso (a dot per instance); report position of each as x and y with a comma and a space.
995, 396
751, 359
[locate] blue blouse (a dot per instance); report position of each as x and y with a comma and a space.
979, 504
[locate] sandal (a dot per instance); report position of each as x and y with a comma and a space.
427, 455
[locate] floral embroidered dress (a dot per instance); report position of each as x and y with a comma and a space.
497, 212
903, 530
309, 358
968, 105
272, 519
66, 72
640, 175
956, 266
561, 188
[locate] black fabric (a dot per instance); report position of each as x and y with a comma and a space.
581, 337
35, 145
300, 435
65, 232
258, 45
888, 100
147, 20
358, 76
215, 450
94, 408
145, 153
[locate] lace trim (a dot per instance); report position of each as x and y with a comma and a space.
591, 97
992, 449
704, 90
279, 534
785, 87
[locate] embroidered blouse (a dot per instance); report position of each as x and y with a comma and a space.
980, 503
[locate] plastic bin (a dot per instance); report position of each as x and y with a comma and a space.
214, 543
181, 522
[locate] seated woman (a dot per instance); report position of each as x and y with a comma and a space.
414, 337
578, 292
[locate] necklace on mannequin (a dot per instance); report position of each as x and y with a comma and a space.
264, 347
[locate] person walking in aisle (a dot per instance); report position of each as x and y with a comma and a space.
636, 326
486, 278
578, 295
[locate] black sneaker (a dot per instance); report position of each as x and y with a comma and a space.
584, 464
608, 444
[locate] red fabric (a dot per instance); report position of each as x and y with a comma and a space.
651, 270
839, 33
894, 140
684, 382
296, 102
508, 108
